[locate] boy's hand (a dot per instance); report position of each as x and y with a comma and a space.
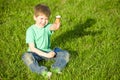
57, 25
51, 54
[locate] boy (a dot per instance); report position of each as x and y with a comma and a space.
38, 40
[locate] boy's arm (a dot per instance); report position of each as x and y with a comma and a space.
40, 53
55, 26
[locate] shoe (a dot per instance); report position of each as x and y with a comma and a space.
47, 74
56, 70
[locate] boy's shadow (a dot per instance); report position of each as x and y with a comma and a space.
78, 31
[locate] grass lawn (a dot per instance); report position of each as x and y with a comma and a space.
90, 31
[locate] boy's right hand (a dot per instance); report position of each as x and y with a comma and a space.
51, 54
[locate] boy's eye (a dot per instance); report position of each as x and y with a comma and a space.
41, 18
46, 19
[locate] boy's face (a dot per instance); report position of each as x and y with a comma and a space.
42, 20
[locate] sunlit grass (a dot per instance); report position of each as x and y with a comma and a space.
90, 31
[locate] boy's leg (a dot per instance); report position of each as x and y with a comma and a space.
31, 60
61, 59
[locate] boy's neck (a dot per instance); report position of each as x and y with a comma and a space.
39, 26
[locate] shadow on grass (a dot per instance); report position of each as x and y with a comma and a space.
78, 31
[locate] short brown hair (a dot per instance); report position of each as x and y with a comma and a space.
41, 8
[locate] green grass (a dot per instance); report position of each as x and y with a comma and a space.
90, 31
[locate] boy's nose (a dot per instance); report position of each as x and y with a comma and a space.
44, 20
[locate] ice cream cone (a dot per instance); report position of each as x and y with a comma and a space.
57, 19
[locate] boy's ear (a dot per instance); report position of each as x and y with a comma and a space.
34, 17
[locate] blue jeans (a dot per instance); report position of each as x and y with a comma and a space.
31, 60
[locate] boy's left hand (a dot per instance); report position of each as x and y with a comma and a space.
55, 26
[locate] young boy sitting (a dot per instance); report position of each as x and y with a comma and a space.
38, 39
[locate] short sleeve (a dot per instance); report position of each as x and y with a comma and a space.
48, 28
29, 35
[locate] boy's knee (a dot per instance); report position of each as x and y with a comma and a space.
27, 58
25, 55
66, 55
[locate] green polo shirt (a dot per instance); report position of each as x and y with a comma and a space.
40, 37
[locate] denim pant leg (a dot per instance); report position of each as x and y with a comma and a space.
31, 60
61, 58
